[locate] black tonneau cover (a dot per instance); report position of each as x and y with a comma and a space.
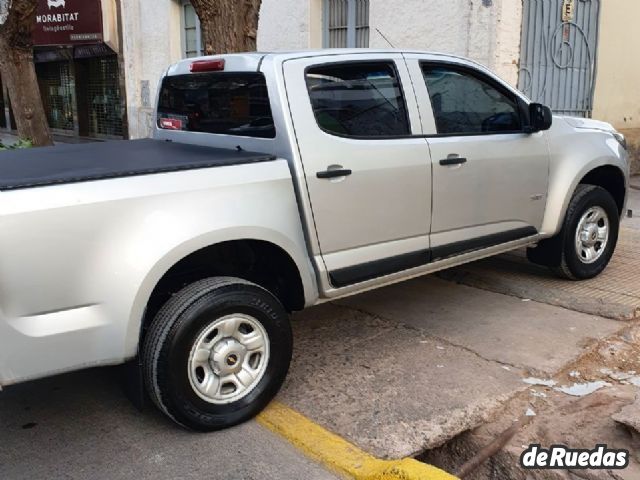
36, 167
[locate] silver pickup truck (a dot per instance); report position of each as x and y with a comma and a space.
276, 182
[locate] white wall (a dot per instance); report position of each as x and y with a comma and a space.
508, 31
420, 24
487, 31
152, 41
284, 25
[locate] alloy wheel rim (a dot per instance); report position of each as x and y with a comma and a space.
592, 235
228, 359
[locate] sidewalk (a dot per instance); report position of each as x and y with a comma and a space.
8, 139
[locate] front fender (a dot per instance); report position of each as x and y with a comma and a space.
575, 153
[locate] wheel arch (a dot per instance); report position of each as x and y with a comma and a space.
610, 178
275, 265
564, 181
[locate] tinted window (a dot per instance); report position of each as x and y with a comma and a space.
229, 103
463, 103
358, 99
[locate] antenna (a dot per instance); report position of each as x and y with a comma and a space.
385, 38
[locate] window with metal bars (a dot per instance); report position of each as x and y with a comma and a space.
346, 23
57, 90
192, 33
99, 104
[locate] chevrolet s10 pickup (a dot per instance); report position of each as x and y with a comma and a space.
275, 182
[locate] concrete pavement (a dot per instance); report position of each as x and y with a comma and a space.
529, 336
408, 367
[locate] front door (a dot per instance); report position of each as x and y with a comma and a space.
367, 169
489, 176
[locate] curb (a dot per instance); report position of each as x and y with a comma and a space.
338, 455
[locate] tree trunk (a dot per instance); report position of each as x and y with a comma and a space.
19, 73
228, 25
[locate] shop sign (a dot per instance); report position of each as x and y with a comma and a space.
68, 22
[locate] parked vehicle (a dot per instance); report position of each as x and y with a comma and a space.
187, 252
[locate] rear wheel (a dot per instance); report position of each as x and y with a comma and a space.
588, 238
217, 353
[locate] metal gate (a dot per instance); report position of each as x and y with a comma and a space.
57, 87
558, 54
103, 97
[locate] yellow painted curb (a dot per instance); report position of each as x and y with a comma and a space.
339, 455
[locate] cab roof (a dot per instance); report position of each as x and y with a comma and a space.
251, 61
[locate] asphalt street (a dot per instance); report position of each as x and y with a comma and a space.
81, 426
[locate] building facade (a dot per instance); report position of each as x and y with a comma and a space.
76, 48
99, 79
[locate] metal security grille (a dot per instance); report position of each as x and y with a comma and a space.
558, 59
192, 38
346, 23
103, 97
362, 23
3, 116
57, 90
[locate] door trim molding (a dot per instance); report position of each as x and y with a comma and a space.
379, 268
386, 266
465, 246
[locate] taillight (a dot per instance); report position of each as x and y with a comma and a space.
207, 65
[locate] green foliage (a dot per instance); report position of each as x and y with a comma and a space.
22, 143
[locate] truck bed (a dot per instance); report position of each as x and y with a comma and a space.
37, 167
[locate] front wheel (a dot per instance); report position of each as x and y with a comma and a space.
588, 238
217, 353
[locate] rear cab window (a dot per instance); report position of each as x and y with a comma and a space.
229, 103
358, 99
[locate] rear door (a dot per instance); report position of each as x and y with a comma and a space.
367, 169
489, 175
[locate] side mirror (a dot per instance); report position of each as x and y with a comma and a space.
540, 117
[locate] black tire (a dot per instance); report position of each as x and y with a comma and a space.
178, 325
570, 265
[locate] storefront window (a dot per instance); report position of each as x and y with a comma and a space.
57, 86
81, 96
103, 97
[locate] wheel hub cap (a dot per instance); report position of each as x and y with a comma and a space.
592, 235
228, 358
